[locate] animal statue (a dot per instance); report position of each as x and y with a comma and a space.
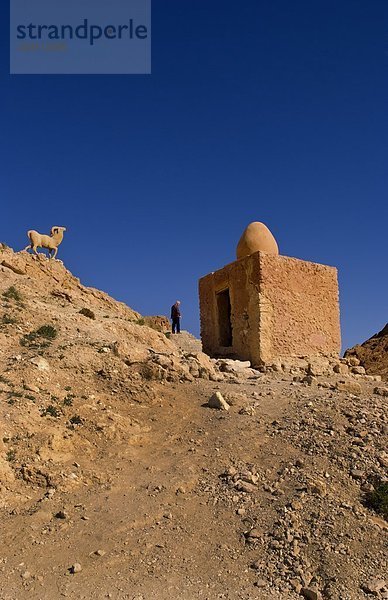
51, 242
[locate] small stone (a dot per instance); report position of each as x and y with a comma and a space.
87, 313
41, 363
310, 593
260, 583
76, 568
296, 586
352, 387
319, 488
231, 471
26, 575
318, 366
241, 511
31, 388
358, 370
374, 586
381, 391
61, 514
218, 401
254, 534
248, 411
357, 474
100, 553
326, 385
352, 361
244, 486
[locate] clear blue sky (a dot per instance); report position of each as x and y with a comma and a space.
255, 110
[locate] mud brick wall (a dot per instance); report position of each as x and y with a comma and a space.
279, 306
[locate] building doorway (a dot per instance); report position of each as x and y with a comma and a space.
224, 310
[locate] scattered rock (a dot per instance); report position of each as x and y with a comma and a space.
218, 401
227, 365
352, 361
41, 363
352, 387
310, 593
381, 391
374, 586
319, 366
341, 368
61, 514
31, 388
86, 312
26, 575
357, 474
309, 379
75, 568
13, 267
254, 534
244, 486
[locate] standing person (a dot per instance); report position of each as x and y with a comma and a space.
176, 317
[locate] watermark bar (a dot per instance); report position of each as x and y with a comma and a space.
80, 37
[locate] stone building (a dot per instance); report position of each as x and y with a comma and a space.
264, 306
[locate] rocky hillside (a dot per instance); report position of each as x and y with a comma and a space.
373, 354
119, 480
63, 344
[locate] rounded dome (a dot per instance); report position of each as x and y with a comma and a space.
256, 238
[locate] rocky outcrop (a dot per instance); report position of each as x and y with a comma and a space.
373, 353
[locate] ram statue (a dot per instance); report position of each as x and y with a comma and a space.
50, 242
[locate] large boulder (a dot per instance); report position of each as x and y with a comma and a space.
159, 323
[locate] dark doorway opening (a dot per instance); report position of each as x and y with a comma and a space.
224, 319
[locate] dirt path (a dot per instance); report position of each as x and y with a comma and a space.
161, 532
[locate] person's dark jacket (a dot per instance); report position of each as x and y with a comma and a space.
175, 312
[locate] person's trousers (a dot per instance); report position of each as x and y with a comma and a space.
176, 325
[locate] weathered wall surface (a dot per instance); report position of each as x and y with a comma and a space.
280, 306
243, 288
305, 305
